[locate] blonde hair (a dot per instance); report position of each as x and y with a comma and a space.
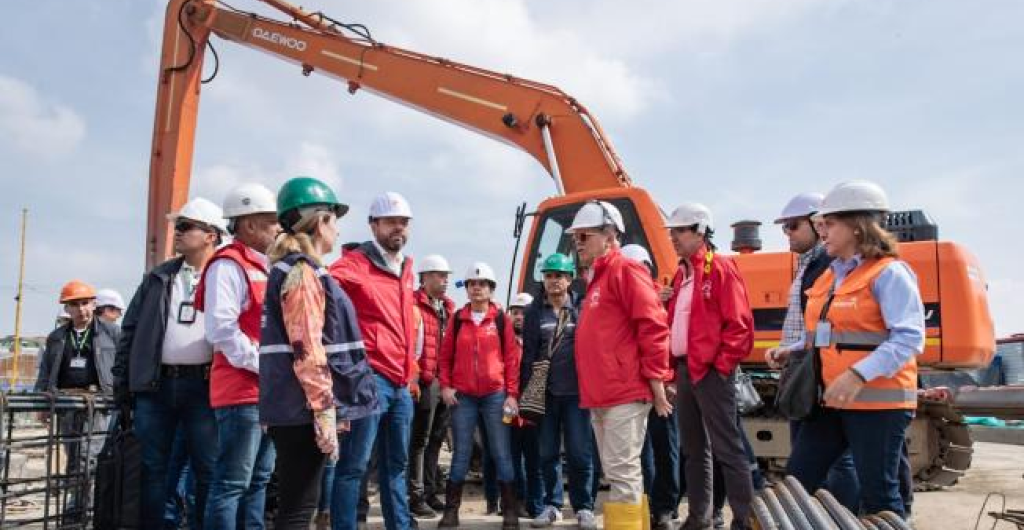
300, 237
873, 241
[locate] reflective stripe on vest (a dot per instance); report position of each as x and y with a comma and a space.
329, 348
858, 328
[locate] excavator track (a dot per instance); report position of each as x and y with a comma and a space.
941, 447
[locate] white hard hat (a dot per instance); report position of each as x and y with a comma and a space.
390, 204
521, 300
596, 214
855, 196
689, 214
637, 253
109, 297
202, 210
434, 263
481, 271
802, 205
248, 199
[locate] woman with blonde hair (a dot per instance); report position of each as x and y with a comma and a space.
314, 377
865, 319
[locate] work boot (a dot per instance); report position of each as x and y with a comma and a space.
419, 508
435, 504
693, 524
452, 500
509, 518
492, 507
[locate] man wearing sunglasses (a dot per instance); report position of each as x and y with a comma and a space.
162, 370
622, 354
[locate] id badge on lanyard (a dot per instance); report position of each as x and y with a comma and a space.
823, 334
78, 362
187, 313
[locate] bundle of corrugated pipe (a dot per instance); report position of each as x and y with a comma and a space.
786, 505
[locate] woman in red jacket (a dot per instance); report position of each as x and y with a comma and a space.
479, 372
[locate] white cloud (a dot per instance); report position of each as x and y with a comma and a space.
35, 125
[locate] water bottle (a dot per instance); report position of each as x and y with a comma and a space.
509, 414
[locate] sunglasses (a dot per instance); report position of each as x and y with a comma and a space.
582, 237
791, 225
185, 226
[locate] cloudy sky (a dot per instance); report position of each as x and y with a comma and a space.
735, 103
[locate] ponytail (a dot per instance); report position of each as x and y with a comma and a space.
299, 237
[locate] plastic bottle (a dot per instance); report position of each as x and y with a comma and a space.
509, 414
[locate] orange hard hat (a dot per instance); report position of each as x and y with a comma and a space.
76, 290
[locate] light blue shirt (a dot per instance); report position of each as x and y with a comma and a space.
897, 294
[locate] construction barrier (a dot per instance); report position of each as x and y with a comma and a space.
48, 450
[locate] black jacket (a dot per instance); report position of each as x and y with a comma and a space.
814, 270
104, 346
137, 368
532, 338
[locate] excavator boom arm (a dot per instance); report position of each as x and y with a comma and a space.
537, 118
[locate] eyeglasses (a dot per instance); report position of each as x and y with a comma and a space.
791, 225
185, 225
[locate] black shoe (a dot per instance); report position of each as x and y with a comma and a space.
492, 507
718, 520
662, 522
420, 509
435, 503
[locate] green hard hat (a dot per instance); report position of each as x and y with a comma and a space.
300, 192
559, 263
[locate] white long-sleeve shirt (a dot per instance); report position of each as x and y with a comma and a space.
227, 296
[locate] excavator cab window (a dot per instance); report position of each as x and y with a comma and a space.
552, 238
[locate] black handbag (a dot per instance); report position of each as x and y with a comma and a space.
534, 398
800, 385
118, 501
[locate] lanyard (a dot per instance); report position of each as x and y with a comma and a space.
78, 342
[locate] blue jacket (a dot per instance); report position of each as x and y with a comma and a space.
282, 400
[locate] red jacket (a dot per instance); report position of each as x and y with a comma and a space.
384, 305
478, 362
721, 331
622, 334
433, 331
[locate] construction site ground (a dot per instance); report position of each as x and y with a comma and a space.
997, 468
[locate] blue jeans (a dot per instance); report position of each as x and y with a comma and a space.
326, 488
183, 402
841, 481
875, 438
181, 502
238, 491
389, 430
465, 415
661, 464
565, 422
525, 450
487, 469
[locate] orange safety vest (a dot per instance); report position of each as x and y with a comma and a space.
857, 329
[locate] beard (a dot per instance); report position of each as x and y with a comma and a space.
392, 243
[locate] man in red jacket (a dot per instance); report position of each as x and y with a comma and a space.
622, 357
378, 279
712, 331
432, 416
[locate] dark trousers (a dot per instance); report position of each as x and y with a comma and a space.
876, 440
525, 448
710, 429
299, 465
430, 421
566, 423
660, 461
841, 480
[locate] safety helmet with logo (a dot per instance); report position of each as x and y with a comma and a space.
855, 196
803, 205
76, 290
390, 204
597, 214
109, 297
481, 271
203, 211
637, 253
690, 214
302, 193
434, 263
558, 262
521, 300
247, 199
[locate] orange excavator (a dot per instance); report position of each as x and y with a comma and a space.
568, 142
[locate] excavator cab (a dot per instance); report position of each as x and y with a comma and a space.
645, 226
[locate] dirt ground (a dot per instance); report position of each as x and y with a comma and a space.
997, 468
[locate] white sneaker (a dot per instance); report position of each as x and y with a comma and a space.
586, 520
548, 517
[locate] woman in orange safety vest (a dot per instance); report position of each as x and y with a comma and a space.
865, 319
